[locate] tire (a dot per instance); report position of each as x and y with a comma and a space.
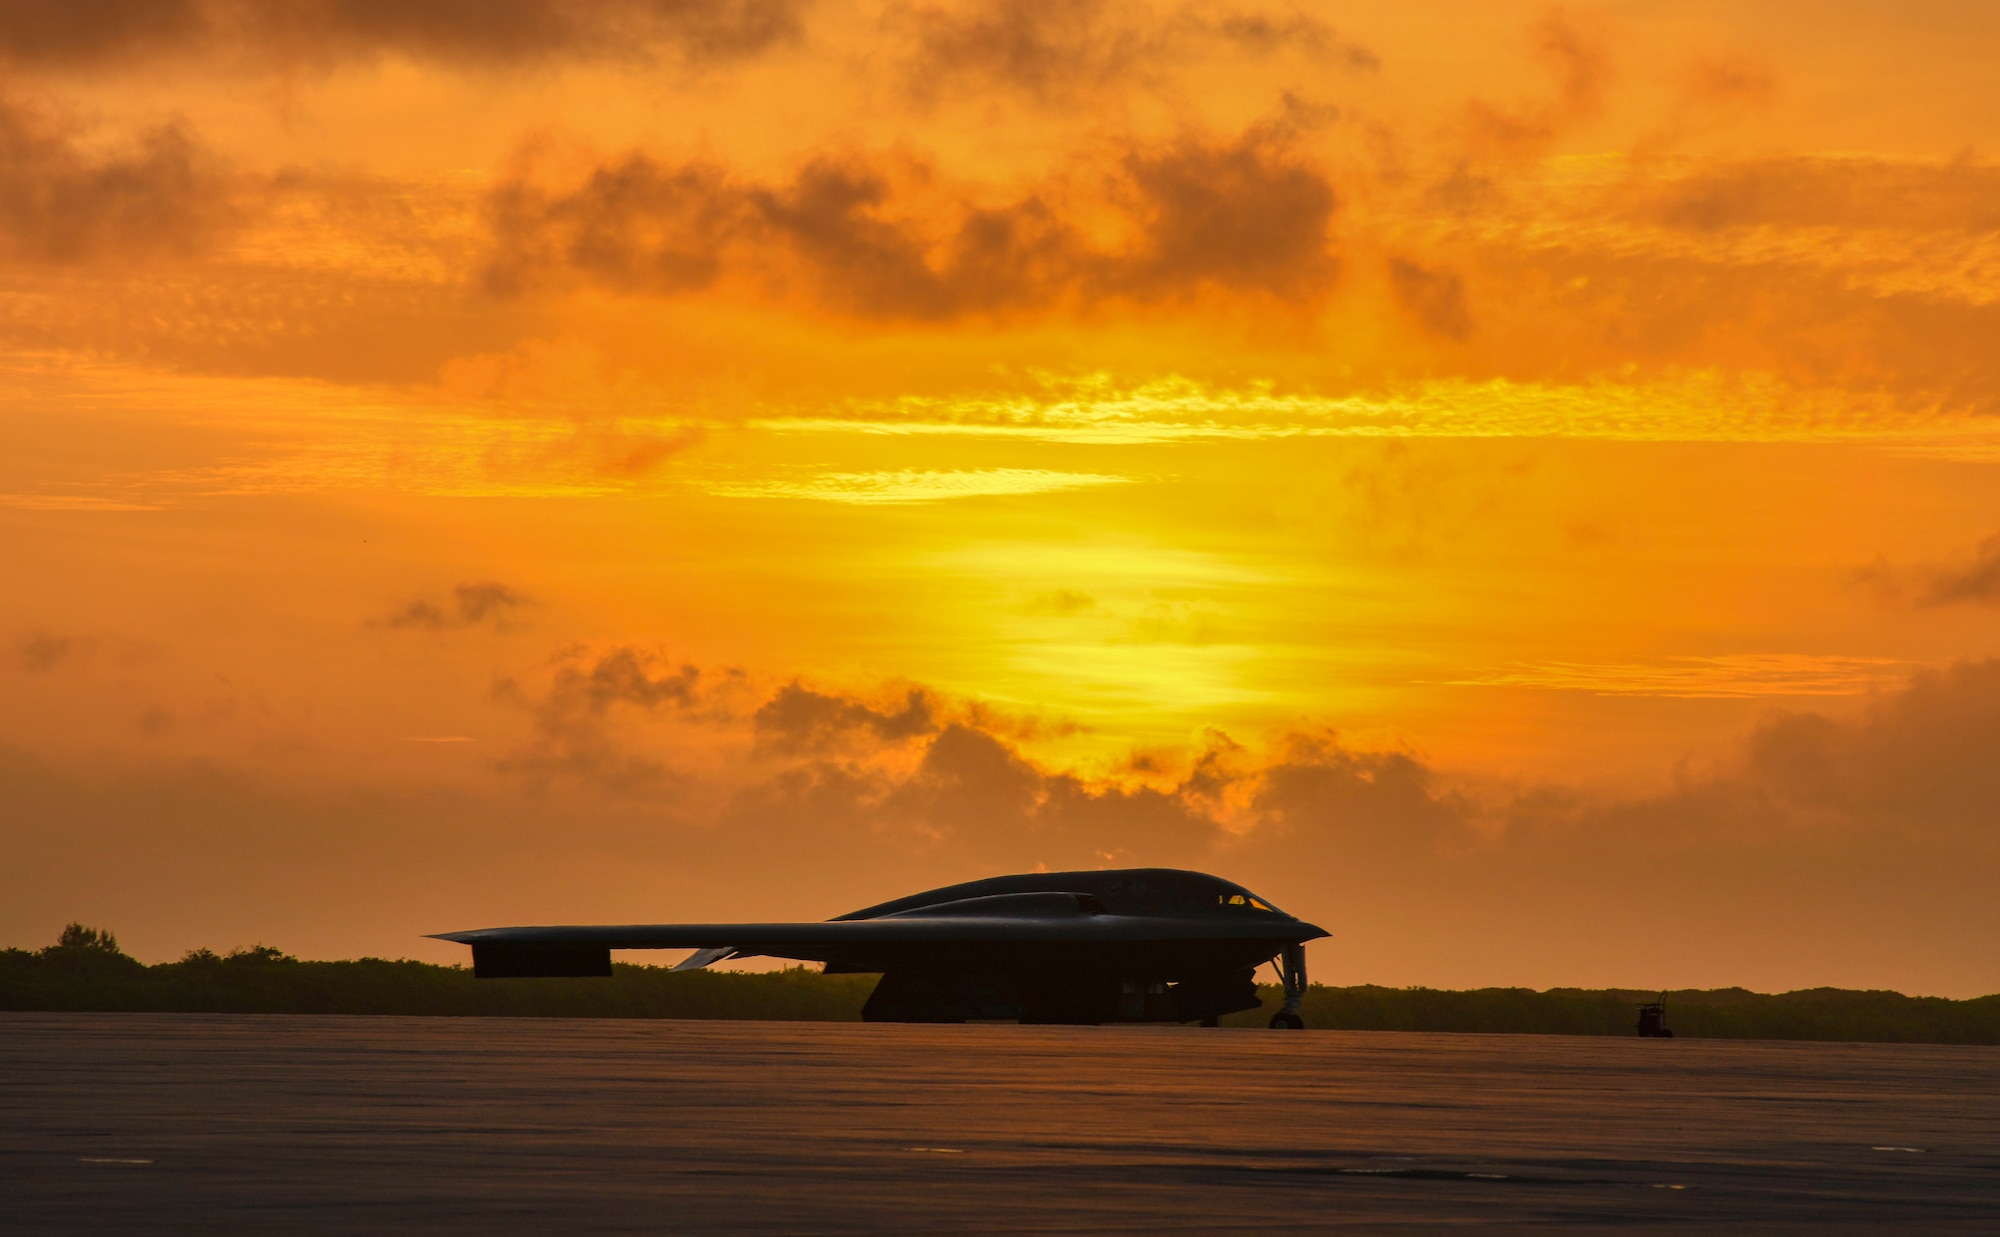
1284, 1020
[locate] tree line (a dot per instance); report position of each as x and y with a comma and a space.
86, 970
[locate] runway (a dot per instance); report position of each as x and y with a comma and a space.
116, 1124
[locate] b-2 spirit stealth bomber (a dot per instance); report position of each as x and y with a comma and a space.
1136, 945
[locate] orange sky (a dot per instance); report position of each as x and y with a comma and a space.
1518, 485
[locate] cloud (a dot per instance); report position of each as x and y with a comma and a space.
576, 719
1763, 863
635, 224
890, 239
1436, 298
39, 651
163, 196
1267, 33
1831, 276
1912, 767
1728, 82
1915, 765
1820, 191
1577, 58
1239, 214
623, 675
970, 802
471, 604
1712, 93
1062, 602
1973, 583
1319, 797
918, 486
1055, 52
800, 719
1049, 50
65, 32
70, 33
1730, 676
975, 794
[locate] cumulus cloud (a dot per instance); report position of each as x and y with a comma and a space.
163, 195
1917, 762
887, 239
576, 717
975, 793
471, 604
1914, 764
620, 676
1232, 215
799, 719
971, 801
472, 32
1762, 864
1913, 767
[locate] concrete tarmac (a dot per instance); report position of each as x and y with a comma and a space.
144, 1123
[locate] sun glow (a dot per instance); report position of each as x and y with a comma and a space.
1447, 463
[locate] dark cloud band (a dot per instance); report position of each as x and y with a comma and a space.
875, 239
85, 33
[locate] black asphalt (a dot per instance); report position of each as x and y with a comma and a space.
149, 1123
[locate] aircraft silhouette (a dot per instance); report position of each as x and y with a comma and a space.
1134, 945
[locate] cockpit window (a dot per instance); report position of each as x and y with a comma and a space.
1244, 901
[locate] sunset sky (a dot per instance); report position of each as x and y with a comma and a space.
1516, 485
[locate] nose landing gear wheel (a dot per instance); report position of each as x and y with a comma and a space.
1292, 972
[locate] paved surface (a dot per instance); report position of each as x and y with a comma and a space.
206, 1124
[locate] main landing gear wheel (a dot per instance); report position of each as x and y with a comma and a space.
1285, 1020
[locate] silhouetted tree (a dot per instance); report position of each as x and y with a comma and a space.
258, 955
76, 936
93, 951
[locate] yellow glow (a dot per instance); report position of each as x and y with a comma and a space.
1429, 460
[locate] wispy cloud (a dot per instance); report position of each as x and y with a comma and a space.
72, 502
1738, 676
1683, 406
913, 486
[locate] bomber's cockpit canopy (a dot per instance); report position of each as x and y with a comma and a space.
1132, 891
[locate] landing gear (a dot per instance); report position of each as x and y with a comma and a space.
1292, 972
